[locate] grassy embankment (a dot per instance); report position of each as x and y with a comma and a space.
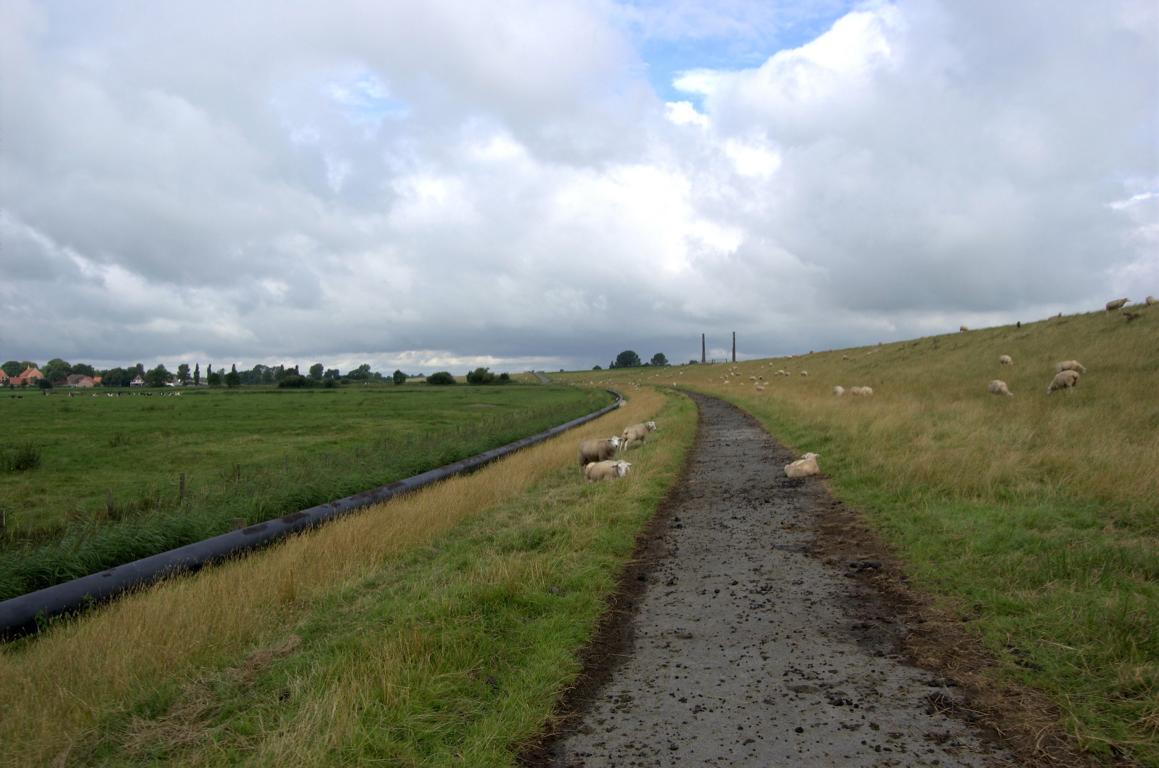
1035, 518
436, 629
107, 488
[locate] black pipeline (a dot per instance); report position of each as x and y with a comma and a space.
22, 615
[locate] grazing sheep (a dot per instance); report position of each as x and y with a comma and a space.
1005, 360
637, 433
804, 373
598, 449
962, 328
839, 390
1117, 304
1070, 365
998, 387
804, 466
1127, 314
605, 470
861, 391
1063, 380
1149, 300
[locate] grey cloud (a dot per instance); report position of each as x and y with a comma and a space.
506, 184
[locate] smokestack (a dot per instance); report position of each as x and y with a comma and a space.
734, 346
702, 348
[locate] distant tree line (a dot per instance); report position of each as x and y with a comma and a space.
629, 359
57, 371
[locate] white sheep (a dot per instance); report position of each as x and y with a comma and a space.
839, 390
1069, 365
804, 373
998, 387
1117, 304
605, 470
804, 466
1005, 360
861, 391
637, 433
1149, 301
598, 449
1063, 380
962, 328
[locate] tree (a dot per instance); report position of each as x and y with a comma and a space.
12, 368
441, 378
83, 369
56, 370
398, 376
183, 373
361, 373
316, 371
233, 378
158, 376
196, 374
116, 377
597, 368
659, 359
332, 374
627, 359
480, 376
212, 379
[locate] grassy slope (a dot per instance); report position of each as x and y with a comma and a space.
248, 455
1035, 517
436, 629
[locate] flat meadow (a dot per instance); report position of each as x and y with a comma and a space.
124, 476
1032, 519
438, 628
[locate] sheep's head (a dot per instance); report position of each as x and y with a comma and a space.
811, 456
651, 425
622, 468
615, 441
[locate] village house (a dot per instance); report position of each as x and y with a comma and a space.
26, 379
80, 381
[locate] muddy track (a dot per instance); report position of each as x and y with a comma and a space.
739, 643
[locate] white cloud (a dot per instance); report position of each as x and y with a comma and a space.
469, 184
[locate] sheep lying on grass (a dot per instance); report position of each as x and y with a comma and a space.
1117, 304
637, 433
1005, 360
861, 391
1070, 365
1063, 380
598, 449
804, 466
605, 470
998, 387
839, 390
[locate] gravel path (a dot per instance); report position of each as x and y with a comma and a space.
743, 649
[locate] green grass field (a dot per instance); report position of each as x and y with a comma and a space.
1034, 518
107, 487
437, 629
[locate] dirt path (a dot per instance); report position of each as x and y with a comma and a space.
742, 648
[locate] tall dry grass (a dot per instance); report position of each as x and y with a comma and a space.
57, 688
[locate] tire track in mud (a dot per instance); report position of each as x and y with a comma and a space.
740, 648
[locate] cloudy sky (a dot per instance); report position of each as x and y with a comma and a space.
523, 184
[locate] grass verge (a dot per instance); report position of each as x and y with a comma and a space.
437, 629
